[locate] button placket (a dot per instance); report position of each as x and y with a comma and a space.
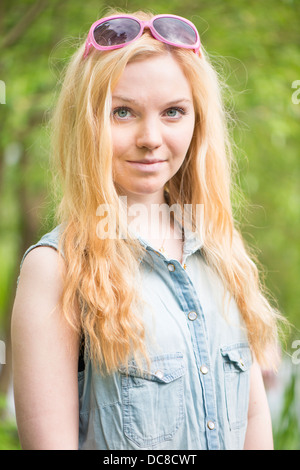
192, 309
196, 321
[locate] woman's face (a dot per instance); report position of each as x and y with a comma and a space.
152, 126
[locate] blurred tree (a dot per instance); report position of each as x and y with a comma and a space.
14, 162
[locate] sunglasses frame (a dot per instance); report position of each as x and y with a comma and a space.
143, 24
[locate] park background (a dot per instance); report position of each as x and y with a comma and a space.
255, 46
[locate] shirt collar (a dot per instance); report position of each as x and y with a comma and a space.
192, 242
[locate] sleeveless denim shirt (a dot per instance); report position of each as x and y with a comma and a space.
195, 394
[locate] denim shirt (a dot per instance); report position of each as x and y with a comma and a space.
196, 393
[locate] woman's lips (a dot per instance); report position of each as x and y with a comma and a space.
146, 165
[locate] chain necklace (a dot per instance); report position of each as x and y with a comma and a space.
162, 247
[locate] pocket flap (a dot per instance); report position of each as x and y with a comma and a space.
164, 368
237, 356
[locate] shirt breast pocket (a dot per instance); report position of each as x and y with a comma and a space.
237, 361
152, 400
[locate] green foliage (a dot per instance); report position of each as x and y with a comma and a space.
9, 439
287, 427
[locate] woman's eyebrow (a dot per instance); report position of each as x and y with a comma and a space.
178, 100
132, 100
123, 98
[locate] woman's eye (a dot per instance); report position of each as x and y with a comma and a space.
175, 112
121, 113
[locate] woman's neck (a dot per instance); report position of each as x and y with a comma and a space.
147, 200
150, 217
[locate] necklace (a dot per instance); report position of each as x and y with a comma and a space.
175, 249
162, 247
171, 236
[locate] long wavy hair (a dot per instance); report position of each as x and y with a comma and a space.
101, 294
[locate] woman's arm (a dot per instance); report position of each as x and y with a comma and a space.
259, 431
45, 357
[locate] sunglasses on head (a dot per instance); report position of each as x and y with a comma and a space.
114, 32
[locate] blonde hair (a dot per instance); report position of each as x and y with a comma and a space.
101, 273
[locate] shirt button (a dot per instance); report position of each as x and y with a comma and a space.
210, 425
171, 267
204, 370
192, 315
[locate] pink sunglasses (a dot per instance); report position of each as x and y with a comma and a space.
114, 32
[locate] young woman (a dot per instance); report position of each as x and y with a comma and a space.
139, 321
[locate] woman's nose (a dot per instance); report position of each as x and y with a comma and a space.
149, 135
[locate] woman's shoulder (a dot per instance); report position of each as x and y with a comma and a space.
42, 262
50, 239
39, 288
42, 272
43, 259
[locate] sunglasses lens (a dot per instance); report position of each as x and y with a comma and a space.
175, 30
116, 31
